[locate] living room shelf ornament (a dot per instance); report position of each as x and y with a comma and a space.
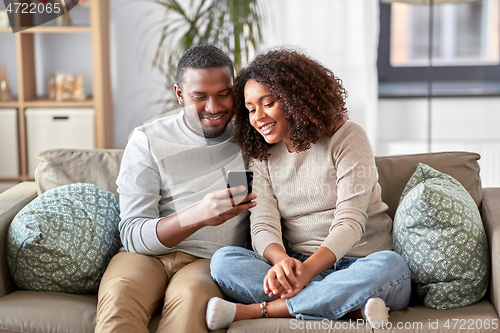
28, 96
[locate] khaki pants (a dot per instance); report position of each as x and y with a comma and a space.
134, 284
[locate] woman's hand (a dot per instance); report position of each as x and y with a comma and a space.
282, 278
314, 265
289, 276
302, 280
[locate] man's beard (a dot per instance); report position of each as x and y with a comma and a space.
196, 125
207, 133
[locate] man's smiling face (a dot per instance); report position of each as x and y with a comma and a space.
207, 96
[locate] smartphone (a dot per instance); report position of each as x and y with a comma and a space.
240, 178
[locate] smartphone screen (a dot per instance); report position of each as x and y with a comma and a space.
240, 178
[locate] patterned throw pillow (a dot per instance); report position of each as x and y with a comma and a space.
439, 232
64, 239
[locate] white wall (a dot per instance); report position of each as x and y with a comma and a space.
458, 124
394, 125
136, 85
342, 34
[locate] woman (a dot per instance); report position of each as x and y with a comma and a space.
317, 184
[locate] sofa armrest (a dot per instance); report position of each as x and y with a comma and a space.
11, 202
490, 212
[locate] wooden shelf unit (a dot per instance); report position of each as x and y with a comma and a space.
99, 98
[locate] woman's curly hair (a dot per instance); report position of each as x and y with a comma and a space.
312, 97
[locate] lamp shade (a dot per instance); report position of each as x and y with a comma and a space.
428, 2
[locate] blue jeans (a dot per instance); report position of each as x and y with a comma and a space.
340, 289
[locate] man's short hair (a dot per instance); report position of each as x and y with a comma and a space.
202, 57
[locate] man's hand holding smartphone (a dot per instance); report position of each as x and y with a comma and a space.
236, 178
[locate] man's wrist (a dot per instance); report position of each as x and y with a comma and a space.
194, 217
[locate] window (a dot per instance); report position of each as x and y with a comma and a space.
465, 44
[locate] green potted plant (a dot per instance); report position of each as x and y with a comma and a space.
232, 25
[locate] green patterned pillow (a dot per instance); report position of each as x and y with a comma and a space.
439, 232
64, 239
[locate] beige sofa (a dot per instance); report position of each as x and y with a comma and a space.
28, 311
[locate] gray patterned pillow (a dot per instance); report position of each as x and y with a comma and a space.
439, 232
64, 239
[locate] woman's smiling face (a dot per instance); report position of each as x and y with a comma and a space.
266, 114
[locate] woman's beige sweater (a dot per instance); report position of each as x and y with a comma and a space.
326, 196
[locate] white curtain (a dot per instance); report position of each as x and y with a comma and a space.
343, 36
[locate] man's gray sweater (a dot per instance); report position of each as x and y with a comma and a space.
167, 168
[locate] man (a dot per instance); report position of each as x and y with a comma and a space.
175, 210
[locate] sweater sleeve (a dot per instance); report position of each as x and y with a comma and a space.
139, 189
265, 218
356, 179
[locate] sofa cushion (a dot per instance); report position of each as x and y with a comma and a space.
439, 232
64, 239
478, 318
42, 312
67, 166
101, 166
267, 325
395, 171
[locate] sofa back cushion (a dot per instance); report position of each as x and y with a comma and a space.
395, 171
67, 166
101, 166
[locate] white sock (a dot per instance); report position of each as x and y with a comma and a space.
376, 313
220, 313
